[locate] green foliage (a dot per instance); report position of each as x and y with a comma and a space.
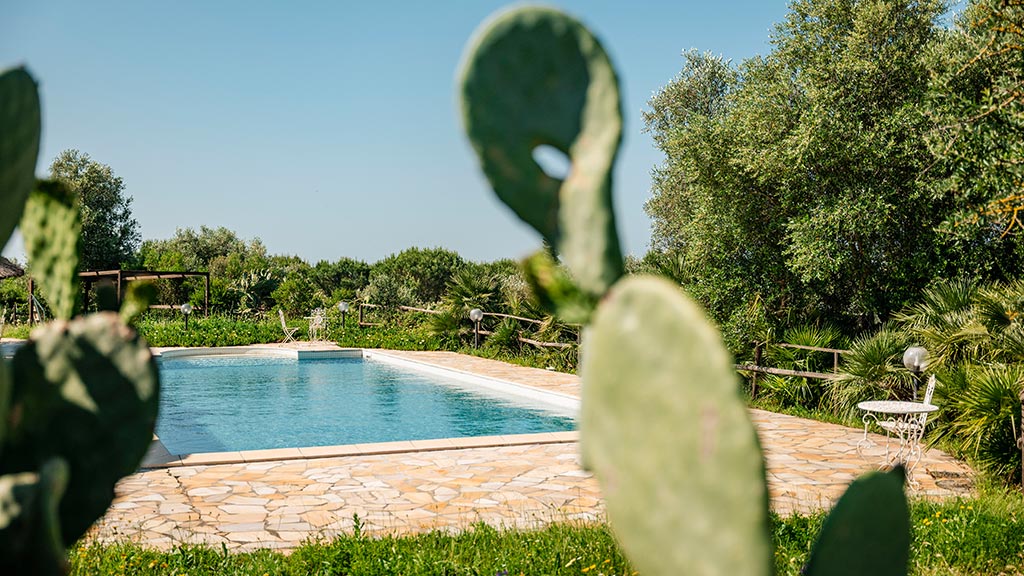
254, 290
110, 235
801, 177
408, 331
791, 390
298, 293
977, 106
470, 287
557, 88
688, 405
873, 509
982, 418
957, 537
20, 128
389, 292
975, 338
217, 330
504, 336
52, 229
78, 402
663, 423
872, 370
87, 392
481, 550
13, 294
422, 271
231, 261
341, 280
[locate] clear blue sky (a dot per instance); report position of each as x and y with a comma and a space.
326, 129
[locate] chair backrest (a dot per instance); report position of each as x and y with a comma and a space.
281, 314
929, 390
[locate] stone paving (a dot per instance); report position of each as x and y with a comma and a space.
500, 481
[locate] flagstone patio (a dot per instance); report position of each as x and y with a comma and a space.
254, 500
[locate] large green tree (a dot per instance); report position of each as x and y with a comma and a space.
241, 273
978, 108
110, 234
793, 183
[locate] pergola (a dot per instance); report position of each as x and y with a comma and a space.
9, 269
119, 278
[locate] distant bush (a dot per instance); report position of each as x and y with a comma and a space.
425, 270
405, 331
213, 331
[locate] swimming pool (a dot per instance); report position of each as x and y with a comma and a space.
249, 402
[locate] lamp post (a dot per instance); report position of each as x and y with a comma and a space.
186, 309
476, 315
343, 308
915, 359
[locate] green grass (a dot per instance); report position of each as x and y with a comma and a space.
213, 331
17, 331
404, 332
977, 536
557, 549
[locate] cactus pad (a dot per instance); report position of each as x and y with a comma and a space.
666, 431
86, 391
52, 228
30, 541
867, 532
535, 76
20, 125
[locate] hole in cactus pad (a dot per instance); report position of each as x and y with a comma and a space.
552, 161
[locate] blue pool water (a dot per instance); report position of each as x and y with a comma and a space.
214, 404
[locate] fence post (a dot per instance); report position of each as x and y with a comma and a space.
757, 362
31, 307
1020, 439
360, 314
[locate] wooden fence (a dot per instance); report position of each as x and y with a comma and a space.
363, 322
756, 368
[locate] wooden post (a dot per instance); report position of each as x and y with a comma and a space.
835, 362
1020, 439
360, 314
757, 362
85, 298
31, 304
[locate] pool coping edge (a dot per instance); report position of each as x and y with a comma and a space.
159, 457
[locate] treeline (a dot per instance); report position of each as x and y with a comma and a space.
873, 151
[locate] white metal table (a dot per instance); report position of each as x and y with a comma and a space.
905, 421
317, 324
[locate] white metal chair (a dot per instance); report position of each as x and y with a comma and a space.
289, 333
317, 324
913, 426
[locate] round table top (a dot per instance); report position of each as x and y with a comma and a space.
897, 407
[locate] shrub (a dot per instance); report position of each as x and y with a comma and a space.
215, 330
424, 271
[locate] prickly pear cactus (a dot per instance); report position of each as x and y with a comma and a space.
538, 77
78, 402
663, 424
85, 390
669, 436
20, 126
52, 229
868, 531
